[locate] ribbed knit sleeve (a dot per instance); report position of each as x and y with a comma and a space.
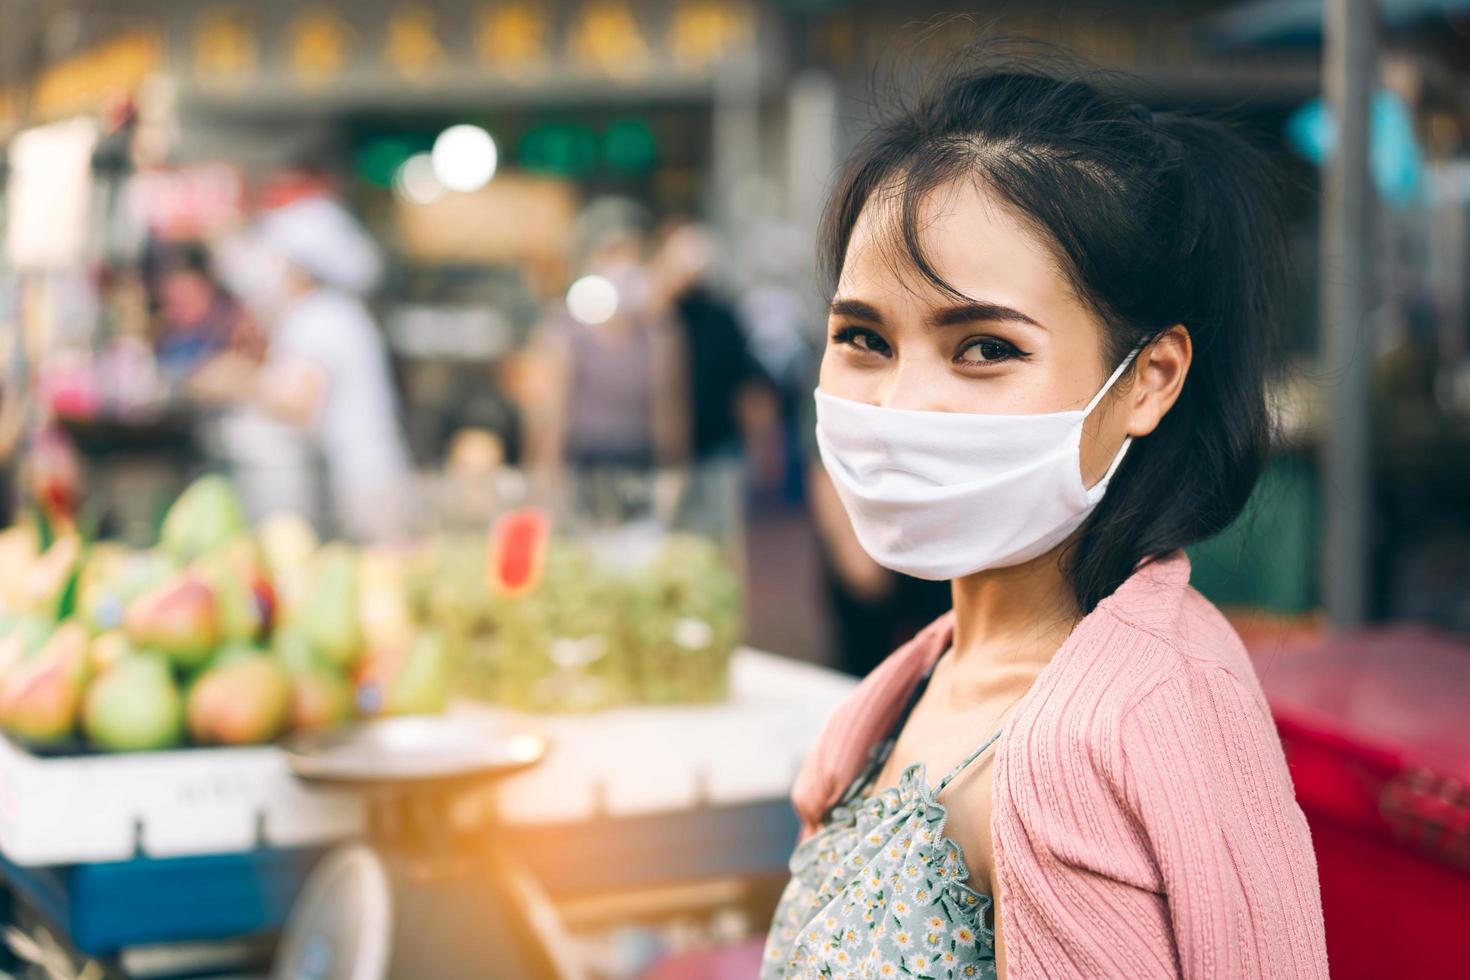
1231, 847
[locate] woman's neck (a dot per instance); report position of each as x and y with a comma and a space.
1016, 616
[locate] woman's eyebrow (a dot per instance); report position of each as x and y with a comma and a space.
949, 316
979, 310
856, 309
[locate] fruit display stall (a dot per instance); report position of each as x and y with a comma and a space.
144, 801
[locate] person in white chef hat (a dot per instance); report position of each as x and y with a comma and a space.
324, 392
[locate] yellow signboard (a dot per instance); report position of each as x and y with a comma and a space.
705, 32
412, 47
607, 38
226, 49
317, 44
512, 38
518, 40
84, 81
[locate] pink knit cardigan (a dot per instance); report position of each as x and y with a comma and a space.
1144, 823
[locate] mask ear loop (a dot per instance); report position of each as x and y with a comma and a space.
1102, 483
1113, 378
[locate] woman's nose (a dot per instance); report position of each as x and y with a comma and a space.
913, 389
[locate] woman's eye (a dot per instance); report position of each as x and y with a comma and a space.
987, 350
860, 338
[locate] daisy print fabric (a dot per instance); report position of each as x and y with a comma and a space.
880, 891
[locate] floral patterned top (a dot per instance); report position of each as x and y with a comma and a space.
879, 891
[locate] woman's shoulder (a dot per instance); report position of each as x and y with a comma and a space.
1156, 636
1155, 659
861, 718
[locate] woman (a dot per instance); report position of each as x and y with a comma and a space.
1044, 377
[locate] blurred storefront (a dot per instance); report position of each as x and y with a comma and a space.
1417, 542
580, 99
731, 110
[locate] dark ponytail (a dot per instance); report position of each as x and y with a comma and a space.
1156, 219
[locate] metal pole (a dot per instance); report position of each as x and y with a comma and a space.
1349, 43
811, 146
736, 131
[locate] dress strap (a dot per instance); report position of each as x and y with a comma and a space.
878, 754
966, 761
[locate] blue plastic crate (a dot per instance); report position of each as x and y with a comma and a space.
103, 908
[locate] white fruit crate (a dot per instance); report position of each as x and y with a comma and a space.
86, 809
619, 763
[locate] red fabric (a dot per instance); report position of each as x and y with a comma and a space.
726, 963
1375, 735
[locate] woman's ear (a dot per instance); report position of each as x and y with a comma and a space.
1158, 377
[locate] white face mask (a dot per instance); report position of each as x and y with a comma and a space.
940, 495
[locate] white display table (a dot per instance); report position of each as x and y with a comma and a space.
619, 763
645, 760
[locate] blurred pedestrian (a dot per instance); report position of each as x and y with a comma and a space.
324, 395
735, 416
615, 393
776, 306
14, 402
197, 319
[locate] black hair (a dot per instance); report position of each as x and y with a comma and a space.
1154, 219
192, 257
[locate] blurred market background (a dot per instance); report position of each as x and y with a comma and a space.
447, 363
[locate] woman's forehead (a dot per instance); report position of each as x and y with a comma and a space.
971, 239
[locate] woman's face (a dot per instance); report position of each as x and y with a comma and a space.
1019, 343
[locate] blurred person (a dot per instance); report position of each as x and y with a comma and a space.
197, 319
324, 391
1044, 377
12, 429
54, 476
776, 307
734, 412
14, 401
253, 270
470, 492
614, 375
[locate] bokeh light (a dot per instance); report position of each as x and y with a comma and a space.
416, 181
464, 158
592, 300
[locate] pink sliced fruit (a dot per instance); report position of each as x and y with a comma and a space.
518, 550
